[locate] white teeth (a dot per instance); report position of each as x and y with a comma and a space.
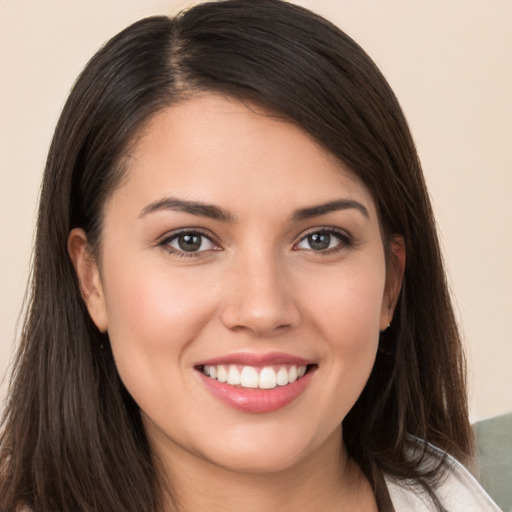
249, 377
267, 378
222, 375
233, 376
282, 376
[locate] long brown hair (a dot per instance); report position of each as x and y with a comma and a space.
72, 436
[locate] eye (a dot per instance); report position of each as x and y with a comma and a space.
188, 242
324, 240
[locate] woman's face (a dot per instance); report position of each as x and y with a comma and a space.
236, 247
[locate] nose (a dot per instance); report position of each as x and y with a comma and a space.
259, 298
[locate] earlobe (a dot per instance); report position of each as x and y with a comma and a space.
89, 278
394, 278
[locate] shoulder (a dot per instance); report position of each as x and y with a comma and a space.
458, 491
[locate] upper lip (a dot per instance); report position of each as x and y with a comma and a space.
252, 359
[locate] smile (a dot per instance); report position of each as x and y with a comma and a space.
252, 377
256, 383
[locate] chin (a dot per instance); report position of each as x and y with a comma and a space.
246, 462
270, 452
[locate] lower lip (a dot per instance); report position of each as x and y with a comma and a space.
257, 400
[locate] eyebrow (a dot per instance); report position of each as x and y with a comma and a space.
331, 206
192, 207
217, 213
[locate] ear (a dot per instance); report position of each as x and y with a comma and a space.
394, 276
89, 278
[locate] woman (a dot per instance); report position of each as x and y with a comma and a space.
238, 298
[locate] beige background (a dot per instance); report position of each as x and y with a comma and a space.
449, 62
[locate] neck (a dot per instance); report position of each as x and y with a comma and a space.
326, 480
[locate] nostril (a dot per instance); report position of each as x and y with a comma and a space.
260, 315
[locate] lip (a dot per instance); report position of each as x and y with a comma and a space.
252, 359
257, 400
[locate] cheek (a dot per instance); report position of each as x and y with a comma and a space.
347, 308
347, 316
144, 307
152, 318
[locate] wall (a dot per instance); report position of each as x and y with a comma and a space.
449, 61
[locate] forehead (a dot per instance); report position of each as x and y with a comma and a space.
217, 149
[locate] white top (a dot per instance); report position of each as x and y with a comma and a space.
458, 492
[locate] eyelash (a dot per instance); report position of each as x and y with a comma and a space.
345, 241
180, 253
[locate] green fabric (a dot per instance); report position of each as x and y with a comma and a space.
494, 443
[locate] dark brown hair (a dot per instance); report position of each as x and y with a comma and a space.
72, 437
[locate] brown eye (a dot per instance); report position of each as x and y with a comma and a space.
319, 241
323, 240
189, 242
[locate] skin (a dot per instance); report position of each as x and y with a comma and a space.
258, 286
